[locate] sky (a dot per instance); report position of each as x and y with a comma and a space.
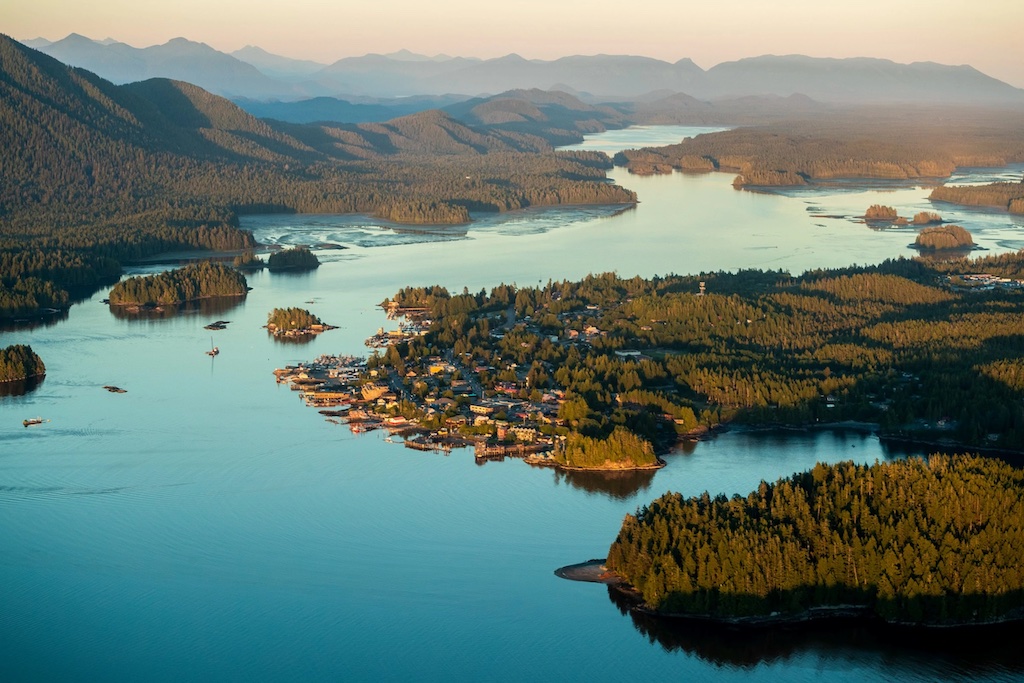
982, 33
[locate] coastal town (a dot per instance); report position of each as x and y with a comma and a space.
452, 398
603, 373
438, 406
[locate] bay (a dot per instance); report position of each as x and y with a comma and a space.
206, 524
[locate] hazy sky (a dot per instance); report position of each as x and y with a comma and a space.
982, 33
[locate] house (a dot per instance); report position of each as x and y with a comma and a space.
524, 434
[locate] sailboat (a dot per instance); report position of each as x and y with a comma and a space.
214, 350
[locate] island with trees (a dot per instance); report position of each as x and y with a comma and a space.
294, 323
19, 362
925, 542
193, 282
944, 238
880, 214
295, 259
248, 260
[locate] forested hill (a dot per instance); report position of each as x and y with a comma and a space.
884, 143
94, 173
934, 542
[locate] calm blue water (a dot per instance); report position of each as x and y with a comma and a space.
207, 525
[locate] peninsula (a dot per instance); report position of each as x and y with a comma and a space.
933, 542
606, 372
855, 143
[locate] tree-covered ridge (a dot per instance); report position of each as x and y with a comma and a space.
94, 171
854, 144
190, 283
908, 345
296, 258
934, 541
18, 362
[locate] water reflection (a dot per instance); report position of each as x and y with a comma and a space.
617, 485
20, 387
925, 653
206, 307
46, 319
296, 339
946, 255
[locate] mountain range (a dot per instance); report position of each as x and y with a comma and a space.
255, 74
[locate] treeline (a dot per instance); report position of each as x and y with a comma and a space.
855, 144
33, 279
296, 258
894, 344
934, 541
424, 212
193, 282
1008, 196
18, 362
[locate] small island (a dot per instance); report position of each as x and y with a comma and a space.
294, 322
878, 213
19, 362
248, 260
296, 259
193, 282
944, 238
933, 542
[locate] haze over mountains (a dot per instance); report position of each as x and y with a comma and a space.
255, 74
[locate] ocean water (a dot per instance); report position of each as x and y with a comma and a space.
208, 525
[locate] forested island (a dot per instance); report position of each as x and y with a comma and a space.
943, 238
296, 258
20, 362
925, 542
877, 213
294, 322
193, 282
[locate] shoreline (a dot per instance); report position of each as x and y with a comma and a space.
595, 571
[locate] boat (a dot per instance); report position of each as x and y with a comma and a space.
33, 421
213, 351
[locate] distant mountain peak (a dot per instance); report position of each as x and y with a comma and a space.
404, 55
